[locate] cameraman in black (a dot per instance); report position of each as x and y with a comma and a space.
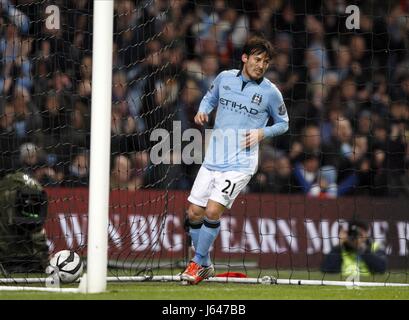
23, 211
357, 253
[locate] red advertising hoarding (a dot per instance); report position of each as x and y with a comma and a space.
269, 230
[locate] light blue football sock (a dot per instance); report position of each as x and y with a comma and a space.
194, 231
208, 233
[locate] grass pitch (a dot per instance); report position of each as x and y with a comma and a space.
234, 291
218, 291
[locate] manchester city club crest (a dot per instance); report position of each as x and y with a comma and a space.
257, 98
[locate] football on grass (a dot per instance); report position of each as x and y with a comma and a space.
67, 264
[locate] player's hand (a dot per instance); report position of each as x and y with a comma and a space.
201, 118
253, 137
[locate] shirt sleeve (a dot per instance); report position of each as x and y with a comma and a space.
211, 98
278, 112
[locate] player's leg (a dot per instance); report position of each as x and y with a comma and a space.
201, 266
227, 186
198, 199
208, 232
195, 221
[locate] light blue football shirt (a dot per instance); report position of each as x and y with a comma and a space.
242, 104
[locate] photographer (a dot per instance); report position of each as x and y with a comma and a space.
356, 254
23, 210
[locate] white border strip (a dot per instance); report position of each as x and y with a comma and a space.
267, 280
21, 288
340, 283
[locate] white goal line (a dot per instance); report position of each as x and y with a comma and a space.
23, 288
266, 280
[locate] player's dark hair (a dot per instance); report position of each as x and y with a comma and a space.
258, 45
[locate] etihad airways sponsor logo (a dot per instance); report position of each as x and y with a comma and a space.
237, 106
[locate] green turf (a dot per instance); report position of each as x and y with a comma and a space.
216, 291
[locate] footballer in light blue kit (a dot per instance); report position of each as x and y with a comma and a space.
245, 101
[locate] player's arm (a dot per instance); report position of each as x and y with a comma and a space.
209, 102
278, 112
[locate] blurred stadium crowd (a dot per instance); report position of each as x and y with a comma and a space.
346, 91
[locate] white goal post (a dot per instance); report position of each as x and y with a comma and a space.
97, 255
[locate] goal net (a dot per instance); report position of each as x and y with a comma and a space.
343, 70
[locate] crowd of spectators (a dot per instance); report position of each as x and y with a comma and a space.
346, 91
